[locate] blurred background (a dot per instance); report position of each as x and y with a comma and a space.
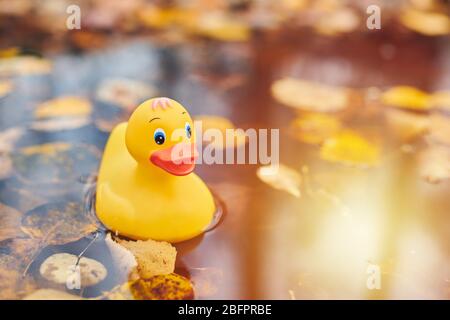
360, 91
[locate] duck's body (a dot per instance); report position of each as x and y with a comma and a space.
140, 200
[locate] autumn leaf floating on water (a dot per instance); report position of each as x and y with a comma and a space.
24, 65
54, 167
58, 223
153, 257
406, 97
310, 96
65, 268
350, 148
281, 177
314, 128
428, 23
163, 287
125, 93
64, 106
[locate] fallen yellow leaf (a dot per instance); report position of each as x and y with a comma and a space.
24, 65
64, 106
314, 128
350, 148
310, 96
406, 97
428, 23
281, 177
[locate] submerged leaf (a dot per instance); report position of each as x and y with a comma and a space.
58, 223
153, 257
163, 287
54, 167
281, 177
314, 128
64, 106
62, 268
350, 148
406, 97
310, 96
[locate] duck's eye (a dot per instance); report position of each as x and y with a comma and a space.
159, 136
188, 130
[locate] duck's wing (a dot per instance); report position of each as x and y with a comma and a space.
116, 155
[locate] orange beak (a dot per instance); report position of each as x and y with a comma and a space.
178, 160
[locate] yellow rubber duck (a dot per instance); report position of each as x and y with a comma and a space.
146, 188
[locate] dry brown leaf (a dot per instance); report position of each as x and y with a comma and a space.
439, 129
435, 164
124, 260
314, 128
428, 23
406, 97
310, 96
125, 93
13, 285
407, 125
61, 268
163, 287
281, 177
9, 222
64, 106
51, 294
58, 223
153, 257
24, 65
350, 148
60, 124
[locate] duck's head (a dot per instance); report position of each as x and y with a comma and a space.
160, 133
